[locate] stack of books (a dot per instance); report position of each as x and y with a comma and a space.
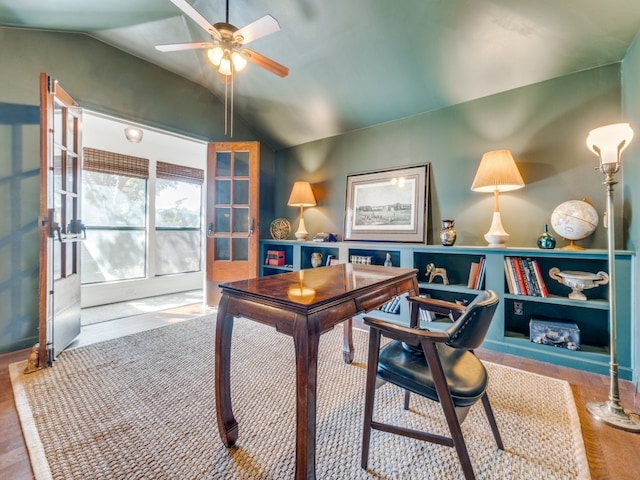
392, 306
524, 277
426, 315
476, 274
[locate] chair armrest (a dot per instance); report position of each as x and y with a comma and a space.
442, 307
405, 334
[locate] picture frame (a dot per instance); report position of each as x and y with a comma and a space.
388, 205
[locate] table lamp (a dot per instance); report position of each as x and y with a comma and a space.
607, 143
497, 173
301, 196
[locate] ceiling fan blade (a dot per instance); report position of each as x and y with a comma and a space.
174, 47
265, 62
188, 10
260, 28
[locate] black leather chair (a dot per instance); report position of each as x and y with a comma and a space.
439, 365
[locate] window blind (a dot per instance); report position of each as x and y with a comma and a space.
115, 163
169, 171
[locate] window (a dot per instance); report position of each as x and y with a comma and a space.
114, 206
178, 219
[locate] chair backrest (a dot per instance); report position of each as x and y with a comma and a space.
469, 330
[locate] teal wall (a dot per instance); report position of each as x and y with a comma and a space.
544, 125
630, 175
102, 79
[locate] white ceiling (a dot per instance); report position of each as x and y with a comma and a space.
357, 63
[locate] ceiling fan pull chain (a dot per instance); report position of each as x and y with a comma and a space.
232, 82
226, 88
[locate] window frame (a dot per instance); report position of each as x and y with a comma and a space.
112, 163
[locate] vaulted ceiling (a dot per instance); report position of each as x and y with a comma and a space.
357, 63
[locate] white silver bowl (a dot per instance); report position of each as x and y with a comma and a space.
578, 281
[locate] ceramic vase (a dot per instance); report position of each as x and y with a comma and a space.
448, 233
546, 240
316, 259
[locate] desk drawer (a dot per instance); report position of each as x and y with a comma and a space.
374, 300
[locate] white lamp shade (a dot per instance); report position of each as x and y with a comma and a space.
215, 55
225, 66
239, 61
497, 171
301, 195
609, 141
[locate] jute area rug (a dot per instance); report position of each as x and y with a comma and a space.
142, 407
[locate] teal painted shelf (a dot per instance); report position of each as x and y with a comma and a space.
509, 331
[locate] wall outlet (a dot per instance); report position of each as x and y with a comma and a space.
517, 308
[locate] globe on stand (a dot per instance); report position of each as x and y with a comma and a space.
574, 220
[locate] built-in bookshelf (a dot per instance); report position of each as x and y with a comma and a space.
457, 274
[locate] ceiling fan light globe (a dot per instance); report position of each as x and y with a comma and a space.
239, 61
225, 66
215, 55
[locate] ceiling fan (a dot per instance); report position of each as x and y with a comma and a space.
226, 50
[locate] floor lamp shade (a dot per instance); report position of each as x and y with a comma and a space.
497, 173
609, 141
301, 196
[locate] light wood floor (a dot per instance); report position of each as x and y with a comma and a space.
613, 454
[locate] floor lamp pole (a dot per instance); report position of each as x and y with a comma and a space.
611, 412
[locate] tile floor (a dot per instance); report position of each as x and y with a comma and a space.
126, 318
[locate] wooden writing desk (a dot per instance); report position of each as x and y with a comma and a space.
304, 305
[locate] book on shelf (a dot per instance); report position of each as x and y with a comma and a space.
534, 279
481, 273
507, 276
392, 306
519, 274
529, 286
426, 315
510, 274
524, 277
473, 274
540, 279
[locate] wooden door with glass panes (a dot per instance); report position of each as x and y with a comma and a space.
233, 207
61, 229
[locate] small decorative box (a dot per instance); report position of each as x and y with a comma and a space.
555, 333
275, 258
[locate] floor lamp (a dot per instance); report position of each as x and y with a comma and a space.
607, 143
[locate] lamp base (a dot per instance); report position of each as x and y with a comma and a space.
496, 236
614, 415
301, 234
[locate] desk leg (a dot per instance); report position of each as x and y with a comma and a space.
306, 337
347, 340
227, 424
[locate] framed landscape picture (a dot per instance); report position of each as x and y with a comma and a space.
388, 205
